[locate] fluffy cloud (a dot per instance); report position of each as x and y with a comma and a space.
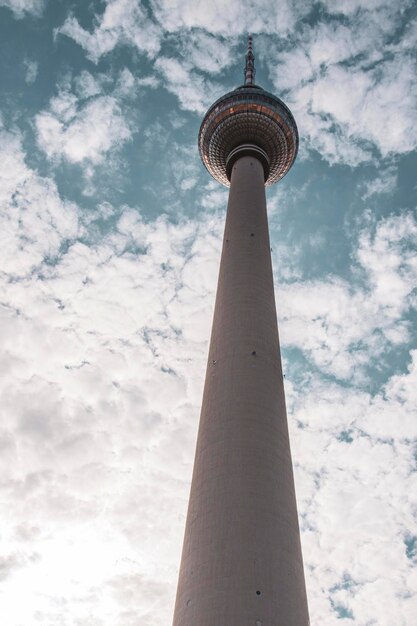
67, 473
31, 71
229, 19
345, 330
36, 221
84, 131
123, 22
206, 52
378, 107
350, 7
354, 460
75, 457
383, 184
20, 7
343, 79
194, 92
127, 22
101, 393
350, 88
87, 85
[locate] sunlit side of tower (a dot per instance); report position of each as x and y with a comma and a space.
241, 563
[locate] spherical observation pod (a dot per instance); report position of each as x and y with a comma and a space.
248, 120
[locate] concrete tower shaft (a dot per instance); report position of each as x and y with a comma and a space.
241, 563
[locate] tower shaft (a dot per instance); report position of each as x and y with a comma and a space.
241, 562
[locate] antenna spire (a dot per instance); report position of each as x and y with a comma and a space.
250, 64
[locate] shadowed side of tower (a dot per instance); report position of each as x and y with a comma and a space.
241, 563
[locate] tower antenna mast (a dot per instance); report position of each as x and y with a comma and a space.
250, 71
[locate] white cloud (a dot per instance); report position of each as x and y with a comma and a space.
385, 183
316, 48
35, 219
85, 132
214, 196
344, 79
350, 90
343, 112
354, 460
345, 328
231, 18
87, 85
194, 92
128, 85
123, 22
206, 52
148, 81
103, 358
90, 121
20, 7
14, 170
80, 463
376, 106
349, 7
31, 71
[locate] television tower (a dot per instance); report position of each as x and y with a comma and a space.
241, 563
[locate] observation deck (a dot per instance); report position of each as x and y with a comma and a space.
248, 120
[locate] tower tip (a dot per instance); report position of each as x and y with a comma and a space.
250, 64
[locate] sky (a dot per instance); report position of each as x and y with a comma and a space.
110, 238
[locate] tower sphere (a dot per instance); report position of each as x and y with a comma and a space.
248, 120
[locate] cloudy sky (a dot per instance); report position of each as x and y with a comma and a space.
109, 241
